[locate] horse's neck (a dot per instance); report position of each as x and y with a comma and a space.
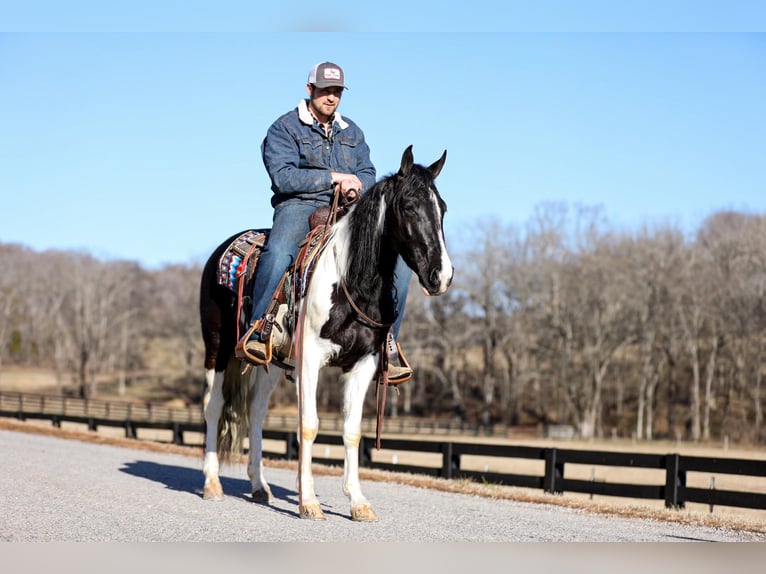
364, 263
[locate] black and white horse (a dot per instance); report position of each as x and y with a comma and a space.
402, 214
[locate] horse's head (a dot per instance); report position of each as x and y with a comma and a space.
416, 223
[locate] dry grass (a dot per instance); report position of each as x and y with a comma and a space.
723, 517
27, 380
159, 387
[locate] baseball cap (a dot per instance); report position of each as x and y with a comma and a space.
326, 74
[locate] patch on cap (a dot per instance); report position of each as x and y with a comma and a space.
331, 74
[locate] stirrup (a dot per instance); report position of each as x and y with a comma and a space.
397, 374
262, 348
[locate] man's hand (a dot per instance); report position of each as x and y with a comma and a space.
348, 184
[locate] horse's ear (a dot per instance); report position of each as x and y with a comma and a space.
407, 161
437, 166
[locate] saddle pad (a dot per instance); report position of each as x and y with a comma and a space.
240, 257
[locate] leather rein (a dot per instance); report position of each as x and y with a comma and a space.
366, 319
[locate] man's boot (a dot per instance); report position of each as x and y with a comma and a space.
252, 348
281, 341
267, 339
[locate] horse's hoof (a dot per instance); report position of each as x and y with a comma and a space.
311, 511
262, 496
363, 513
213, 491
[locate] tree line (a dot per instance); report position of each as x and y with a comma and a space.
649, 333
91, 320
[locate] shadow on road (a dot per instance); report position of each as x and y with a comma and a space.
185, 479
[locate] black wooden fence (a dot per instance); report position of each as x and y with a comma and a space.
673, 490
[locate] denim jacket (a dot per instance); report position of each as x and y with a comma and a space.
299, 156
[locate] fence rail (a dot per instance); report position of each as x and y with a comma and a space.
37, 403
673, 490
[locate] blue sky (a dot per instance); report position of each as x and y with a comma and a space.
139, 139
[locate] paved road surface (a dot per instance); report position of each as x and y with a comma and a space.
53, 489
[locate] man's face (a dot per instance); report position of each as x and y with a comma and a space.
324, 101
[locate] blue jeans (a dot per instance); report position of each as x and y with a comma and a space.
402, 277
290, 226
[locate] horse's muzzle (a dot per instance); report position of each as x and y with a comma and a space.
439, 281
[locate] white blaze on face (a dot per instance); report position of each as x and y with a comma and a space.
445, 276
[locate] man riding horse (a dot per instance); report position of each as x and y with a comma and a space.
310, 154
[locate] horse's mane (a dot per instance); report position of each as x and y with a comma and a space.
370, 266
366, 232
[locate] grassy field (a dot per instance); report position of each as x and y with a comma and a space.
160, 388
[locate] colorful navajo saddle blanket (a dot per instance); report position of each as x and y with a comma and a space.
241, 257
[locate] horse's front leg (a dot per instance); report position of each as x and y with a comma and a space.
212, 407
306, 385
357, 381
263, 387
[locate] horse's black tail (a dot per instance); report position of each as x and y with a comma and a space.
234, 424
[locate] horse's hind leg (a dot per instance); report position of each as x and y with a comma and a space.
357, 381
212, 405
264, 386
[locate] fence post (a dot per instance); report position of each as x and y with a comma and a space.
365, 455
675, 482
450, 461
20, 408
554, 473
291, 445
178, 435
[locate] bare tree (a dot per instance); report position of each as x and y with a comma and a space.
99, 303
13, 280
483, 281
436, 338
550, 332
10, 280
655, 258
172, 300
692, 309
734, 244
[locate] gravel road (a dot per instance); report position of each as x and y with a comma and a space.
53, 489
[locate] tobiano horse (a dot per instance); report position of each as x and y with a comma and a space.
401, 215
